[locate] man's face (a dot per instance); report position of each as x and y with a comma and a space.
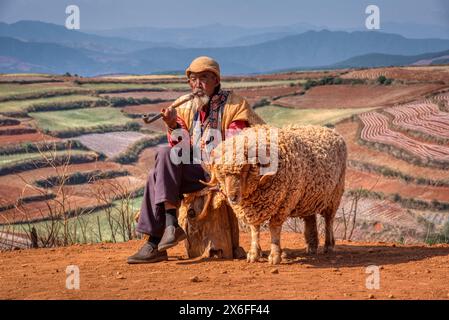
203, 83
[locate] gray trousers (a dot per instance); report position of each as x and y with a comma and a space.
166, 182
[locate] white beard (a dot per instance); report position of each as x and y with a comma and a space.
201, 101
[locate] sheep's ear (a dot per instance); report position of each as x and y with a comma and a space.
266, 178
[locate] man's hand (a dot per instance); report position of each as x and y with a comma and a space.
169, 117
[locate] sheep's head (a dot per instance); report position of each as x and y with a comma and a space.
238, 182
235, 164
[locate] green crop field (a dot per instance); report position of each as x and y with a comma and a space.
17, 90
280, 116
79, 118
24, 105
32, 156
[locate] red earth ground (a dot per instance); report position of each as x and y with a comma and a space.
406, 272
23, 132
27, 137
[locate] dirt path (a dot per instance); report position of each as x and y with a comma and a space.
406, 272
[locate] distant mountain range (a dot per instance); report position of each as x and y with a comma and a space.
36, 31
385, 60
30, 46
218, 35
214, 35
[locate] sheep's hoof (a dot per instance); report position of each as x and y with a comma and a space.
274, 258
311, 250
253, 256
328, 250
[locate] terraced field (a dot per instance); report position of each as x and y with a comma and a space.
43, 108
18, 186
423, 117
357, 96
152, 95
18, 91
78, 198
29, 105
112, 143
79, 118
117, 87
97, 225
280, 116
380, 220
37, 156
411, 74
376, 129
365, 154
377, 183
6, 140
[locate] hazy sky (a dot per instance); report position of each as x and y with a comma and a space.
105, 14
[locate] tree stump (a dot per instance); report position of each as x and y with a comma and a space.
213, 234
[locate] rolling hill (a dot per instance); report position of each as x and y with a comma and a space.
41, 47
384, 60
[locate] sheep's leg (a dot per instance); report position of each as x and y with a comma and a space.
255, 251
329, 241
311, 234
275, 253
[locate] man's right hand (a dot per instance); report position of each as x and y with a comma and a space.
169, 117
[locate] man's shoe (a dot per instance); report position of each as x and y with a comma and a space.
148, 254
172, 235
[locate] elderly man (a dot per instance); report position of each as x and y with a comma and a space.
167, 182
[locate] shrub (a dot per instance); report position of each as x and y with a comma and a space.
384, 80
28, 147
80, 178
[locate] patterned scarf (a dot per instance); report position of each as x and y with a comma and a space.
216, 106
199, 132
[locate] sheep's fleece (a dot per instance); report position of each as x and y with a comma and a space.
309, 179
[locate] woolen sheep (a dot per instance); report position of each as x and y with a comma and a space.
309, 180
